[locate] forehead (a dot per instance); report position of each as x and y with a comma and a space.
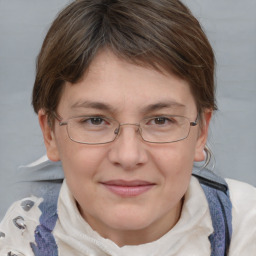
113, 83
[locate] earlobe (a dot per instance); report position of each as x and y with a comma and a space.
49, 137
202, 138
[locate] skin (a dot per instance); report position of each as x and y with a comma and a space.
127, 89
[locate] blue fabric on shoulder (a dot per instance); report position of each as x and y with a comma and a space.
217, 194
45, 241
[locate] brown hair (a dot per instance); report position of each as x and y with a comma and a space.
155, 33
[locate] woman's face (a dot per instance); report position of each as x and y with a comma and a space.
129, 190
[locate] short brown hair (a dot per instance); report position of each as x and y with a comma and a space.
155, 33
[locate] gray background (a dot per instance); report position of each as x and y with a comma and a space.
231, 28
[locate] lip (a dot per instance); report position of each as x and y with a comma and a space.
128, 188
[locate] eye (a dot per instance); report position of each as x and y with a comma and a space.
161, 120
96, 120
93, 121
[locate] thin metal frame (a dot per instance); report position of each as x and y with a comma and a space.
63, 123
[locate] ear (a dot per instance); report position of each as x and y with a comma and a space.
202, 136
49, 136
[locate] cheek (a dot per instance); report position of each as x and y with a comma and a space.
79, 160
175, 163
174, 159
81, 165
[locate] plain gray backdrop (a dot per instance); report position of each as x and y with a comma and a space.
231, 28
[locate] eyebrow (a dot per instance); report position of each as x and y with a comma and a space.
146, 109
162, 105
94, 105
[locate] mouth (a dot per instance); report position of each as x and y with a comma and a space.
128, 188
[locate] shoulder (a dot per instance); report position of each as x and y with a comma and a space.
18, 226
243, 198
239, 190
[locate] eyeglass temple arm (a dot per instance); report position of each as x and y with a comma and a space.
59, 119
195, 122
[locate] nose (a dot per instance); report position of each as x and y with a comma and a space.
128, 151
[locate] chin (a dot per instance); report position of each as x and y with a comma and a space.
129, 221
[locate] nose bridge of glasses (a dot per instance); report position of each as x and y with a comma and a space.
117, 130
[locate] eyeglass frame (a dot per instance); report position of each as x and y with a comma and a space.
63, 123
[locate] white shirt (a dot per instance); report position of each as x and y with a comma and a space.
189, 237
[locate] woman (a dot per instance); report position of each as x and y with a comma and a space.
124, 93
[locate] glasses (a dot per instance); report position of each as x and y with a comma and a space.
101, 130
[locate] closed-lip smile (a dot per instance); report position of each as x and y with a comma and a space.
126, 188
